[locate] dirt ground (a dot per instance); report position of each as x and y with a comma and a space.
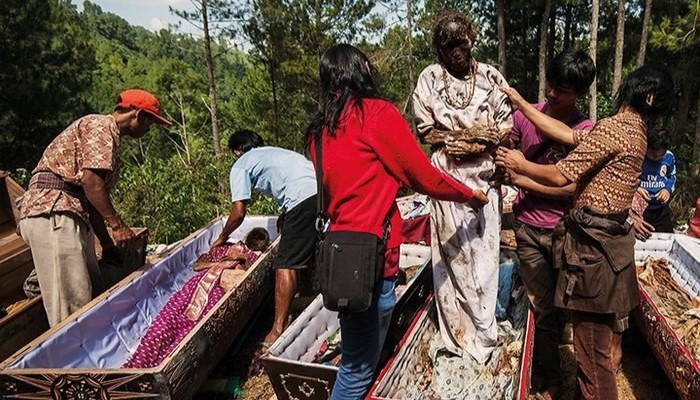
641, 377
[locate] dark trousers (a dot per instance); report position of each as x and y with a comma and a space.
660, 218
539, 278
594, 340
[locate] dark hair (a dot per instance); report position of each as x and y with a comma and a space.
346, 75
258, 239
442, 35
658, 139
649, 90
571, 68
245, 140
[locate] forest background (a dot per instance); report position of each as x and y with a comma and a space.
254, 66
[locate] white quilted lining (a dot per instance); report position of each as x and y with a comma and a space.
682, 251
105, 335
303, 338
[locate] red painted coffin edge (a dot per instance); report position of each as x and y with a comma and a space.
644, 328
423, 310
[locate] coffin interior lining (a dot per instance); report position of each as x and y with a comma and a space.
104, 336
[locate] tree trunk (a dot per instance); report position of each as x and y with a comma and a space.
645, 34
275, 104
409, 19
696, 144
501, 26
592, 50
212, 84
686, 92
619, 46
542, 64
552, 32
567, 27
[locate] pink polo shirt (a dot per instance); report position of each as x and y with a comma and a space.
528, 208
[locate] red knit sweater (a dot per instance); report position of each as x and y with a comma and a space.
365, 164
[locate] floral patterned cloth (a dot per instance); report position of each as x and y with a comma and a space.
183, 311
91, 142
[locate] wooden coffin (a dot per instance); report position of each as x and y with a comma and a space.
406, 374
289, 362
26, 318
681, 367
81, 358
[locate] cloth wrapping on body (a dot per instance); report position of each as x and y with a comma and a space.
187, 307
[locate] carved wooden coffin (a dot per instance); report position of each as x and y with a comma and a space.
26, 318
290, 360
409, 371
81, 358
681, 367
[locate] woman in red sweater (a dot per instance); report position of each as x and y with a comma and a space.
368, 152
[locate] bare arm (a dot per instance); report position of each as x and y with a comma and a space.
538, 189
514, 160
548, 126
96, 192
234, 220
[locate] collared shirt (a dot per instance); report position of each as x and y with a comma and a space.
91, 142
607, 163
283, 174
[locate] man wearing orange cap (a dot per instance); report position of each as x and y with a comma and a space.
67, 203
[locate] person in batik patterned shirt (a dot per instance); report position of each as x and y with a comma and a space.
67, 203
593, 246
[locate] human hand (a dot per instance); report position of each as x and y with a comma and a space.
122, 235
642, 229
221, 240
513, 178
478, 200
515, 98
663, 196
643, 192
513, 160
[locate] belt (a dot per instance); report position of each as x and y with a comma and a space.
49, 180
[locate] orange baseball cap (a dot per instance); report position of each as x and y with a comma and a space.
142, 100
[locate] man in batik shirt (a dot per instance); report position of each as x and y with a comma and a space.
68, 203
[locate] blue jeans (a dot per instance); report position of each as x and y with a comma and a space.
359, 353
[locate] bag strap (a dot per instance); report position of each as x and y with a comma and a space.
322, 218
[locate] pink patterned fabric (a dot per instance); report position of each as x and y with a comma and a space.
183, 311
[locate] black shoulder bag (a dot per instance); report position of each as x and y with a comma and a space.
350, 264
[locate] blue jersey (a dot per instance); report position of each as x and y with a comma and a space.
658, 175
283, 174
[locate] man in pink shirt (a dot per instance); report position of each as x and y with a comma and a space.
538, 208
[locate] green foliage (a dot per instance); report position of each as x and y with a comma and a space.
46, 60
57, 64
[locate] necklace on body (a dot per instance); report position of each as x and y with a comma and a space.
462, 100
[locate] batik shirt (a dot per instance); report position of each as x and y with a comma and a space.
607, 163
91, 142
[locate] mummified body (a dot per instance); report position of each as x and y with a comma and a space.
461, 112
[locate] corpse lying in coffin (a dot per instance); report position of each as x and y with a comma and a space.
156, 334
